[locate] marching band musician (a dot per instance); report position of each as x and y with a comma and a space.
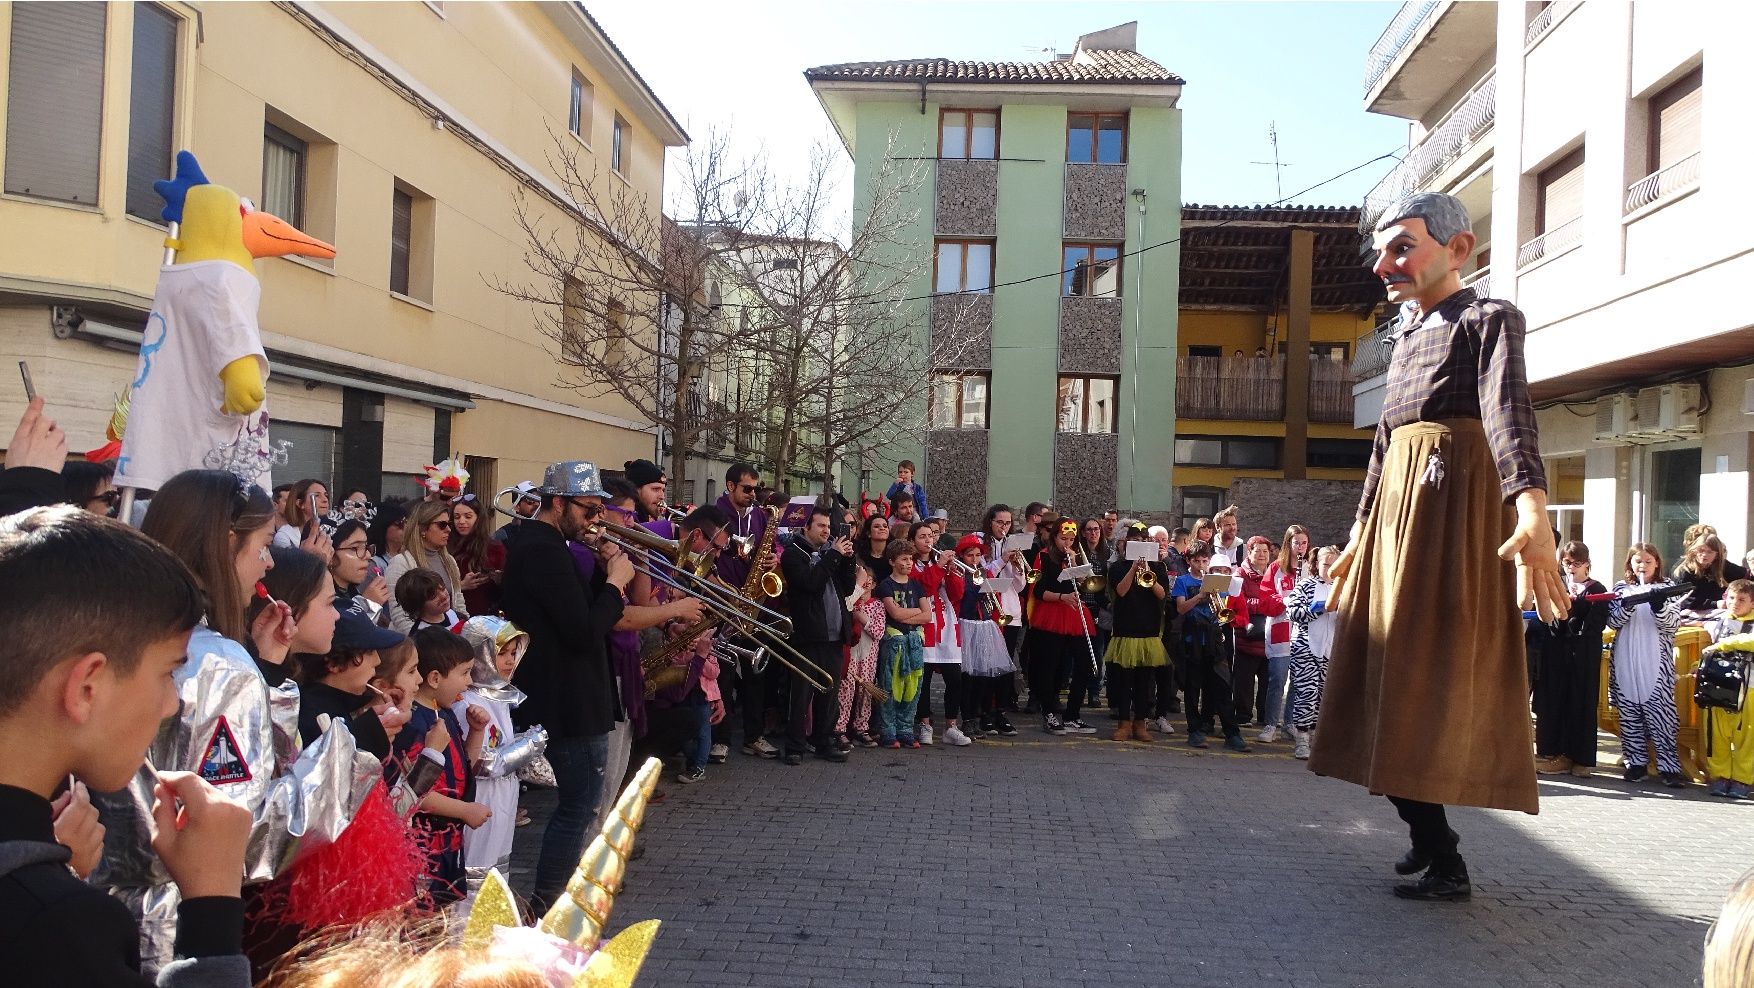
649, 484
1135, 653
819, 578
746, 522
675, 712
1057, 625
941, 583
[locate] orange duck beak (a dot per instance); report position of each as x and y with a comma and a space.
267, 235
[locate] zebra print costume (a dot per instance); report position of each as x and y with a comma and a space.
1309, 671
1656, 718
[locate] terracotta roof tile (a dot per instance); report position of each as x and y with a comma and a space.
1086, 66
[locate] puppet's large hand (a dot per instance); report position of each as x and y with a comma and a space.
244, 390
1537, 558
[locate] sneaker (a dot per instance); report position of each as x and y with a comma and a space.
1300, 750
910, 742
719, 753
1582, 771
1005, 729
925, 734
1268, 735
1634, 773
1197, 739
690, 776
1078, 727
793, 758
1236, 743
1163, 726
953, 736
761, 749
1675, 780
1739, 790
864, 740
975, 732
523, 817
1721, 787
1051, 724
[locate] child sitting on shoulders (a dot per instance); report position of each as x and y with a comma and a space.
450, 805
905, 487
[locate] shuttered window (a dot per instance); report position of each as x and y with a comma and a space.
401, 239
55, 101
1561, 192
1674, 121
151, 107
283, 175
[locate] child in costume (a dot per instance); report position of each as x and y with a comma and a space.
445, 670
901, 658
1136, 652
941, 583
1729, 747
868, 622
1312, 641
498, 645
985, 659
1641, 676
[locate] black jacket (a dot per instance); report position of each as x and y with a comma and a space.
808, 574
22, 488
316, 699
57, 930
566, 671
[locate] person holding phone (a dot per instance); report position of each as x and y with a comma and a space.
307, 504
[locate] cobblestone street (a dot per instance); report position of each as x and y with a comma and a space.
1072, 861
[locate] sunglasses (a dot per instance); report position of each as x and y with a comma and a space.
746, 488
441, 524
111, 497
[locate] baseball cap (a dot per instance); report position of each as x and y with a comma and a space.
354, 632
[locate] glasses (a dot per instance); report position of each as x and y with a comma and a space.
746, 488
360, 551
590, 510
111, 497
441, 524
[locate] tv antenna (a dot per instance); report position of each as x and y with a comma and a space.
1278, 166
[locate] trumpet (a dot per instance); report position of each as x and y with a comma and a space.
976, 575
756, 657
1224, 614
1147, 579
1096, 582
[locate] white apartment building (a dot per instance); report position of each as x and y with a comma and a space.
1603, 149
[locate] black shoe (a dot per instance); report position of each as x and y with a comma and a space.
1005, 729
1634, 773
831, 754
1439, 884
1675, 780
1414, 862
794, 758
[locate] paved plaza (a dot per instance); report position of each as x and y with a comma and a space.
1044, 861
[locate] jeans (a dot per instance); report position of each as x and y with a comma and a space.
1278, 709
699, 744
578, 775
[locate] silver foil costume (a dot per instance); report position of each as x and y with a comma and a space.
241, 735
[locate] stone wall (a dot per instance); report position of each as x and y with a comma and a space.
962, 332
1325, 507
1085, 466
1096, 202
956, 475
1090, 335
968, 199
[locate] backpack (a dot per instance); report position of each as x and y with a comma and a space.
1721, 681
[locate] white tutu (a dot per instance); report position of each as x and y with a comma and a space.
983, 649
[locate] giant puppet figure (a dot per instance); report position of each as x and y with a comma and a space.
1427, 698
199, 386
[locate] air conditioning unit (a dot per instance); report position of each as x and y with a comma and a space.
1616, 419
1647, 412
1678, 410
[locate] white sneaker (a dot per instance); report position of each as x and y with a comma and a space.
760, 748
925, 733
953, 736
1268, 735
1163, 725
719, 753
1301, 752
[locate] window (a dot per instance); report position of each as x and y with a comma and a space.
963, 266
578, 116
55, 101
1338, 454
1241, 452
401, 239
151, 108
1200, 502
615, 146
1096, 137
283, 177
1091, 271
1087, 404
313, 451
1201, 350
968, 134
959, 400
1559, 195
1674, 121
1336, 352
614, 334
783, 264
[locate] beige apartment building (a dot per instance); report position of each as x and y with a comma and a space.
1602, 148
403, 133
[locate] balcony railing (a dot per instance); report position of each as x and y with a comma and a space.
1459, 130
1480, 281
1683, 174
1551, 242
1371, 353
1549, 16
1330, 390
1230, 388
1406, 24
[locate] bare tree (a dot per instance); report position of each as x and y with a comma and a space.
848, 345
624, 295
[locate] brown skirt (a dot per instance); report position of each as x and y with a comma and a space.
1427, 695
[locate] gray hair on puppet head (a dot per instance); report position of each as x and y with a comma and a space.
1444, 215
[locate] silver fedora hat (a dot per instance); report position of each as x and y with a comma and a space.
572, 478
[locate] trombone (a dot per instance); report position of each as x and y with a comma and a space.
978, 577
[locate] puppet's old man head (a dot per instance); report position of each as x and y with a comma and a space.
1421, 244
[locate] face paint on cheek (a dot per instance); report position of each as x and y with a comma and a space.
263, 555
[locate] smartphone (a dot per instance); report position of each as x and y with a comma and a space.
310, 513
30, 388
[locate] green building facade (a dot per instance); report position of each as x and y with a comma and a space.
1051, 218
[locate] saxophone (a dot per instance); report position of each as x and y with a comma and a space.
658, 665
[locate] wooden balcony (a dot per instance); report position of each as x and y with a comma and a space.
1253, 389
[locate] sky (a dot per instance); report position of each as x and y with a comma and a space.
1297, 67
